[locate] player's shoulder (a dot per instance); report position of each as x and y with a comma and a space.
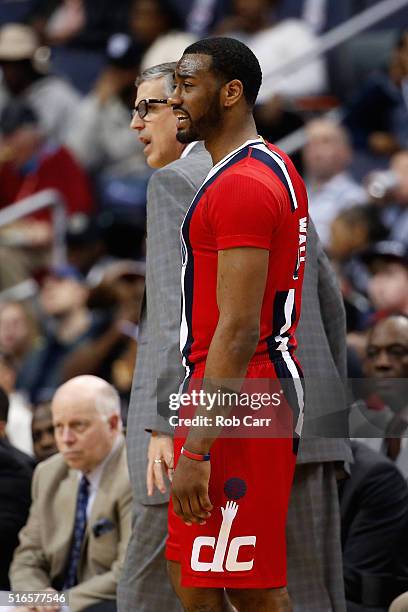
277, 154
247, 173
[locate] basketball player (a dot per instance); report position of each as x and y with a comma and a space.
243, 263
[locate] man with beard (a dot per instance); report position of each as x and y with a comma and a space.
374, 499
381, 421
243, 250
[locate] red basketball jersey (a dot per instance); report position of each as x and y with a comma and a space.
254, 197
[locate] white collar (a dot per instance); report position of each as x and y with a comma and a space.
188, 148
258, 140
231, 154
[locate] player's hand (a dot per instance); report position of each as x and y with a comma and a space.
190, 491
160, 448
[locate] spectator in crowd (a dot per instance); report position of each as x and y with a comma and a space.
382, 417
16, 11
17, 330
326, 156
76, 24
398, 217
377, 116
24, 67
159, 25
31, 163
86, 243
58, 21
112, 354
19, 414
78, 35
68, 322
105, 111
388, 285
15, 481
42, 429
320, 16
376, 289
150, 19
354, 229
79, 524
200, 16
276, 43
246, 19
374, 512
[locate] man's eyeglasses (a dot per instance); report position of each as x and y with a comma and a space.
142, 108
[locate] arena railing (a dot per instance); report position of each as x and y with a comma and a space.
47, 198
333, 38
326, 42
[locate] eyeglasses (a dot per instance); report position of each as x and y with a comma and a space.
143, 107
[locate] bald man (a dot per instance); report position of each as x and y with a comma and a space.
326, 157
79, 525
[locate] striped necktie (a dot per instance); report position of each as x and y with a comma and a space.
78, 535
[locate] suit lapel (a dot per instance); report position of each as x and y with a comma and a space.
143, 306
101, 500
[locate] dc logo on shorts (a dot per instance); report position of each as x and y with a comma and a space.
235, 488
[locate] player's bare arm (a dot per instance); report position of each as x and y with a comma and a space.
241, 281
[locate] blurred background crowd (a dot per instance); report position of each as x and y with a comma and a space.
71, 288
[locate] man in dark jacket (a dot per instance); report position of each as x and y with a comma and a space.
16, 470
374, 521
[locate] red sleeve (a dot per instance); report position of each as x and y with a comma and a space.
73, 183
60, 171
243, 211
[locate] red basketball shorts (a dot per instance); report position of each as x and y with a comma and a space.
243, 544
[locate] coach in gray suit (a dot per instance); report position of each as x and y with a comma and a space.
144, 586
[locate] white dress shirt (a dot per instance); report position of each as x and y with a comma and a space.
95, 476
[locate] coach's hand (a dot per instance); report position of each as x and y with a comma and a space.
160, 462
190, 491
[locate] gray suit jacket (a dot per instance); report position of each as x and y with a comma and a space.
321, 336
170, 192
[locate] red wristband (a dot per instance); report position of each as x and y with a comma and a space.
195, 456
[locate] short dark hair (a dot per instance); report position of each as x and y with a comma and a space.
231, 59
368, 215
4, 405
